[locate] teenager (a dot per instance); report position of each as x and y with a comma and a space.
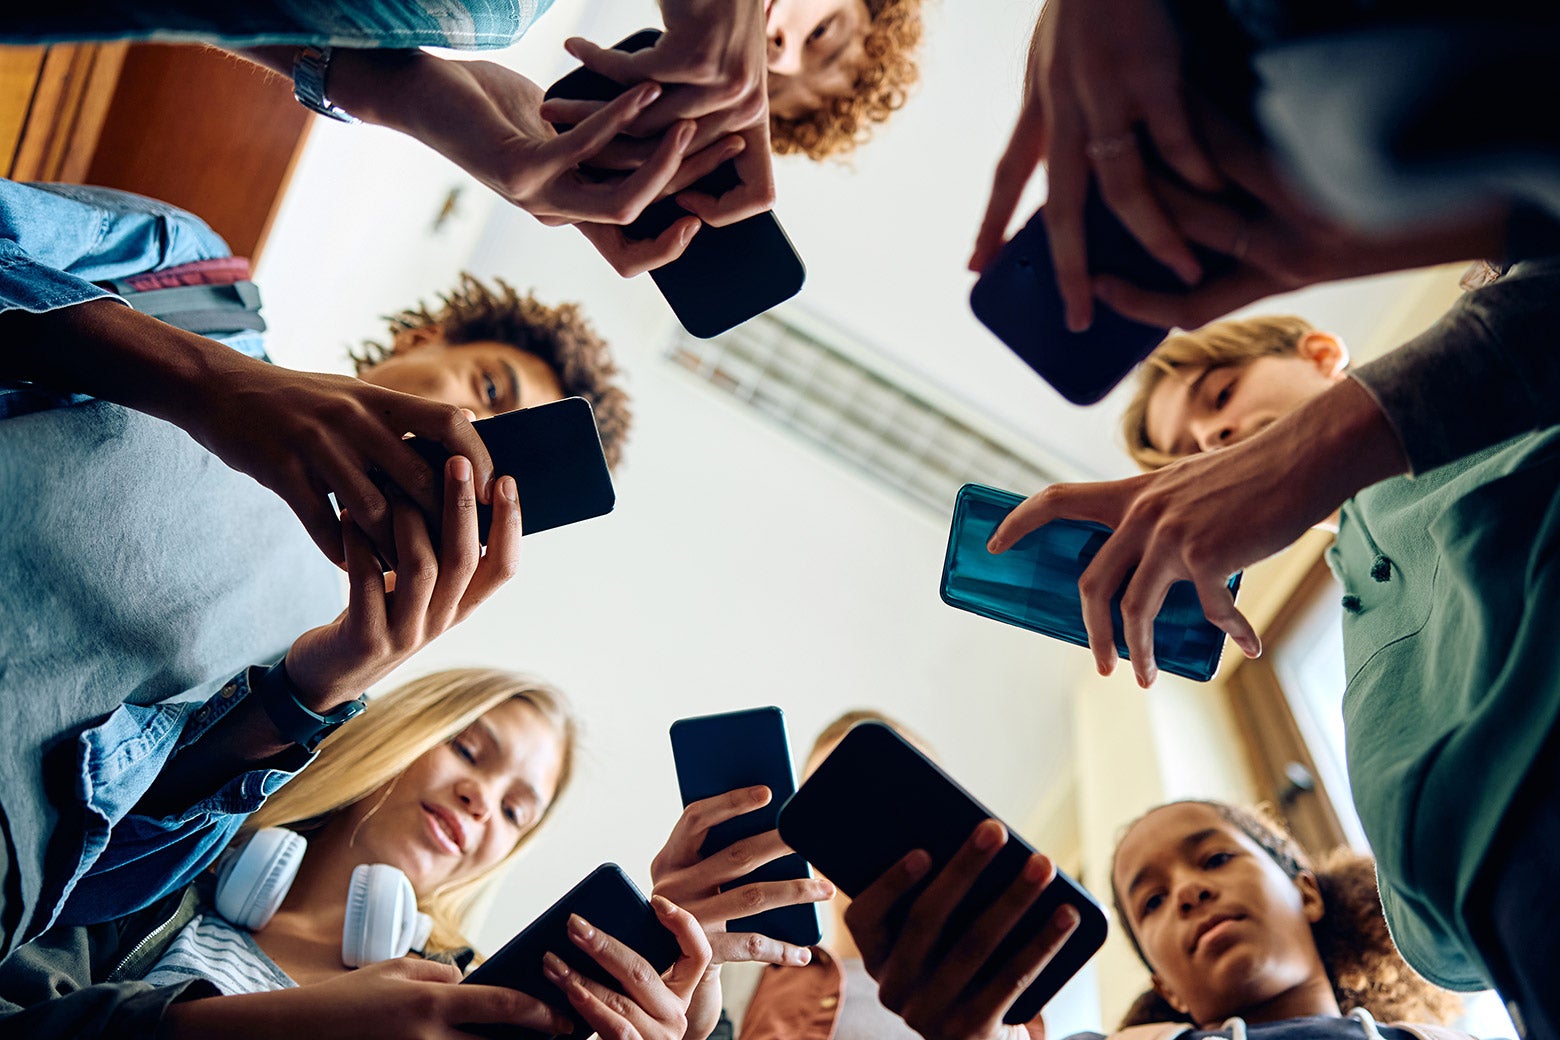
147, 578
1244, 937
444, 781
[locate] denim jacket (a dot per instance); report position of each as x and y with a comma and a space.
465, 24
139, 578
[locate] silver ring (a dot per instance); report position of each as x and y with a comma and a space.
1107, 148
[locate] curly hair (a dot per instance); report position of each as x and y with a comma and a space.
1216, 345
560, 336
1362, 964
882, 85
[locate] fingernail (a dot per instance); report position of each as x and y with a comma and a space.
988, 836
801, 955
649, 93
662, 905
460, 468
685, 134
1149, 674
553, 966
994, 546
506, 487
572, 45
1067, 916
1036, 869
759, 791
1189, 272
917, 863
581, 929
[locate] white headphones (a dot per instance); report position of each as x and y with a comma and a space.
382, 917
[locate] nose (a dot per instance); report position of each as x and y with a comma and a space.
1192, 894
1214, 433
474, 798
785, 56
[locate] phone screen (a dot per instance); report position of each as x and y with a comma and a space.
875, 799
1034, 584
608, 900
554, 453
730, 751
727, 274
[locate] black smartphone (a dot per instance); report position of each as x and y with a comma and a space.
554, 453
1034, 584
727, 274
609, 901
875, 799
720, 753
1017, 299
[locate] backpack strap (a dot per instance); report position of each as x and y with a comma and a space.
1166, 1031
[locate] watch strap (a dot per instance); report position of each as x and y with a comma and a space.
295, 720
310, 69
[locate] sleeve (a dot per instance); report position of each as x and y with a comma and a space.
144, 858
1488, 370
56, 241
47, 988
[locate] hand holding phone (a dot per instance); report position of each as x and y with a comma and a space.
1034, 584
553, 452
873, 802
727, 274
612, 906
720, 760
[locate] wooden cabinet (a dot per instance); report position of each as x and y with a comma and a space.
190, 125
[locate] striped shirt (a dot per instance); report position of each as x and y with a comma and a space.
210, 948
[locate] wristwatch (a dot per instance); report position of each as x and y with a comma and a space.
310, 68
294, 719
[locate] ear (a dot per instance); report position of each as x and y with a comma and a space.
409, 339
1326, 351
1310, 896
1169, 994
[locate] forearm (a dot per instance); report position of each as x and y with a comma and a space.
1486, 371
382, 87
1346, 443
106, 349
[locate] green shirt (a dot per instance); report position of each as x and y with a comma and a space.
1451, 640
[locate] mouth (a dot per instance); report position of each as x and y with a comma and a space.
446, 829
1217, 921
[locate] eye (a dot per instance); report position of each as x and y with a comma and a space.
490, 390
822, 29
1222, 398
463, 750
1218, 859
1152, 903
512, 814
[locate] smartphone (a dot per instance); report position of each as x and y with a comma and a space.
554, 453
609, 901
1034, 584
875, 799
720, 753
727, 274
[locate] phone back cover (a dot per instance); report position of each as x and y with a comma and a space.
730, 751
1034, 584
607, 899
875, 798
554, 453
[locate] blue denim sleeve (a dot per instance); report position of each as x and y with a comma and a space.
129, 860
56, 240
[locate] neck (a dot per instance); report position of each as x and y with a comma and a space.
1314, 996
316, 904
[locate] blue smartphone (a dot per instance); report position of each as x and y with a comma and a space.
876, 798
719, 753
1034, 584
608, 900
554, 453
727, 274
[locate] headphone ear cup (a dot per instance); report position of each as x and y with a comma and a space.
382, 918
253, 881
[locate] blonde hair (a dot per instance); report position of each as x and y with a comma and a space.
1218, 345
882, 84
399, 727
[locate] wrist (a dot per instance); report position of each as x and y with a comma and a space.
382, 87
299, 717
